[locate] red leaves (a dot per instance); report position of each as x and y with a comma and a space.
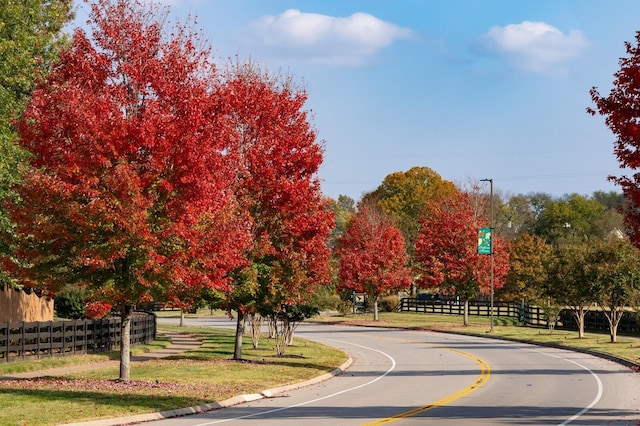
621, 109
154, 176
372, 254
130, 186
446, 250
277, 159
97, 310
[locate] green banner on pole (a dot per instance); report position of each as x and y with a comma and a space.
484, 240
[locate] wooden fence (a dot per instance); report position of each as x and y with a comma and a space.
529, 315
19, 305
35, 340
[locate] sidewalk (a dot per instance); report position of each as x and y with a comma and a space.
179, 343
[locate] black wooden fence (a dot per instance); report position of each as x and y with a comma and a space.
34, 340
529, 315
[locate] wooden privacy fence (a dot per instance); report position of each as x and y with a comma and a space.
527, 314
34, 340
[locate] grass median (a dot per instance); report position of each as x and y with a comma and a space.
200, 376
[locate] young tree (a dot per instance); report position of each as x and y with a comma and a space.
372, 255
529, 256
446, 251
621, 109
276, 182
570, 279
616, 267
128, 189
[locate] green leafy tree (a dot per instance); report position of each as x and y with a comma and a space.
616, 272
612, 200
571, 282
528, 259
343, 209
30, 38
514, 217
572, 217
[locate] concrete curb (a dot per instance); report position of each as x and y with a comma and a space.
268, 393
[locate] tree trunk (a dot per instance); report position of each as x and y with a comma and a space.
256, 329
273, 326
466, 312
125, 342
375, 308
614, 316
237, 351
579, 315
181, 317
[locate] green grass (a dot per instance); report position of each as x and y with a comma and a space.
199, 376
208, 374
70, 360
626, 347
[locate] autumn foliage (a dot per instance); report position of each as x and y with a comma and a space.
276, 183
622, 111
372, 254
446, 250
129, 187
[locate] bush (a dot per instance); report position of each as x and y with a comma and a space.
345, 307
388, 303
69, 303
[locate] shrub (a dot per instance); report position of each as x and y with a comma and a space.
69, 303
388, 303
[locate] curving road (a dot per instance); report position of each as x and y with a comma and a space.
412, 377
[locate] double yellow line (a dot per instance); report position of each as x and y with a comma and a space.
483, 377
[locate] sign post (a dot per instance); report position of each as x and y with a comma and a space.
488, 250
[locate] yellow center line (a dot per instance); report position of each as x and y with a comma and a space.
483, 377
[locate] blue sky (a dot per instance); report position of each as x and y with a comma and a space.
472, 89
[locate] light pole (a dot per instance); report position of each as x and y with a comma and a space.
491, 245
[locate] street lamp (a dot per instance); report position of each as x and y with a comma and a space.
491, 244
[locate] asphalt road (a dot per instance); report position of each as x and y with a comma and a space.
412, 377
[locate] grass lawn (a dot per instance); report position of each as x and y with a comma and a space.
208, 374
200, 376
627, 347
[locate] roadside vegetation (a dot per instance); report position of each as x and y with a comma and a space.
626, 347
200, 376
208, 195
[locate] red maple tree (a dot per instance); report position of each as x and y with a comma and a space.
622, 111
446, 251
276, 184
372, 255
128, 189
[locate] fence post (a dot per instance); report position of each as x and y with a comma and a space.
22, 339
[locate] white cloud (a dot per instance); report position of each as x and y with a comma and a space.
324, 39
534, 46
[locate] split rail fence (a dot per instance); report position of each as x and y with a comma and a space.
530, 315
35, 340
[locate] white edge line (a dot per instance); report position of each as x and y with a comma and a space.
393, 366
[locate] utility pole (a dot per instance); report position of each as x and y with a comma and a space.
491, 244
